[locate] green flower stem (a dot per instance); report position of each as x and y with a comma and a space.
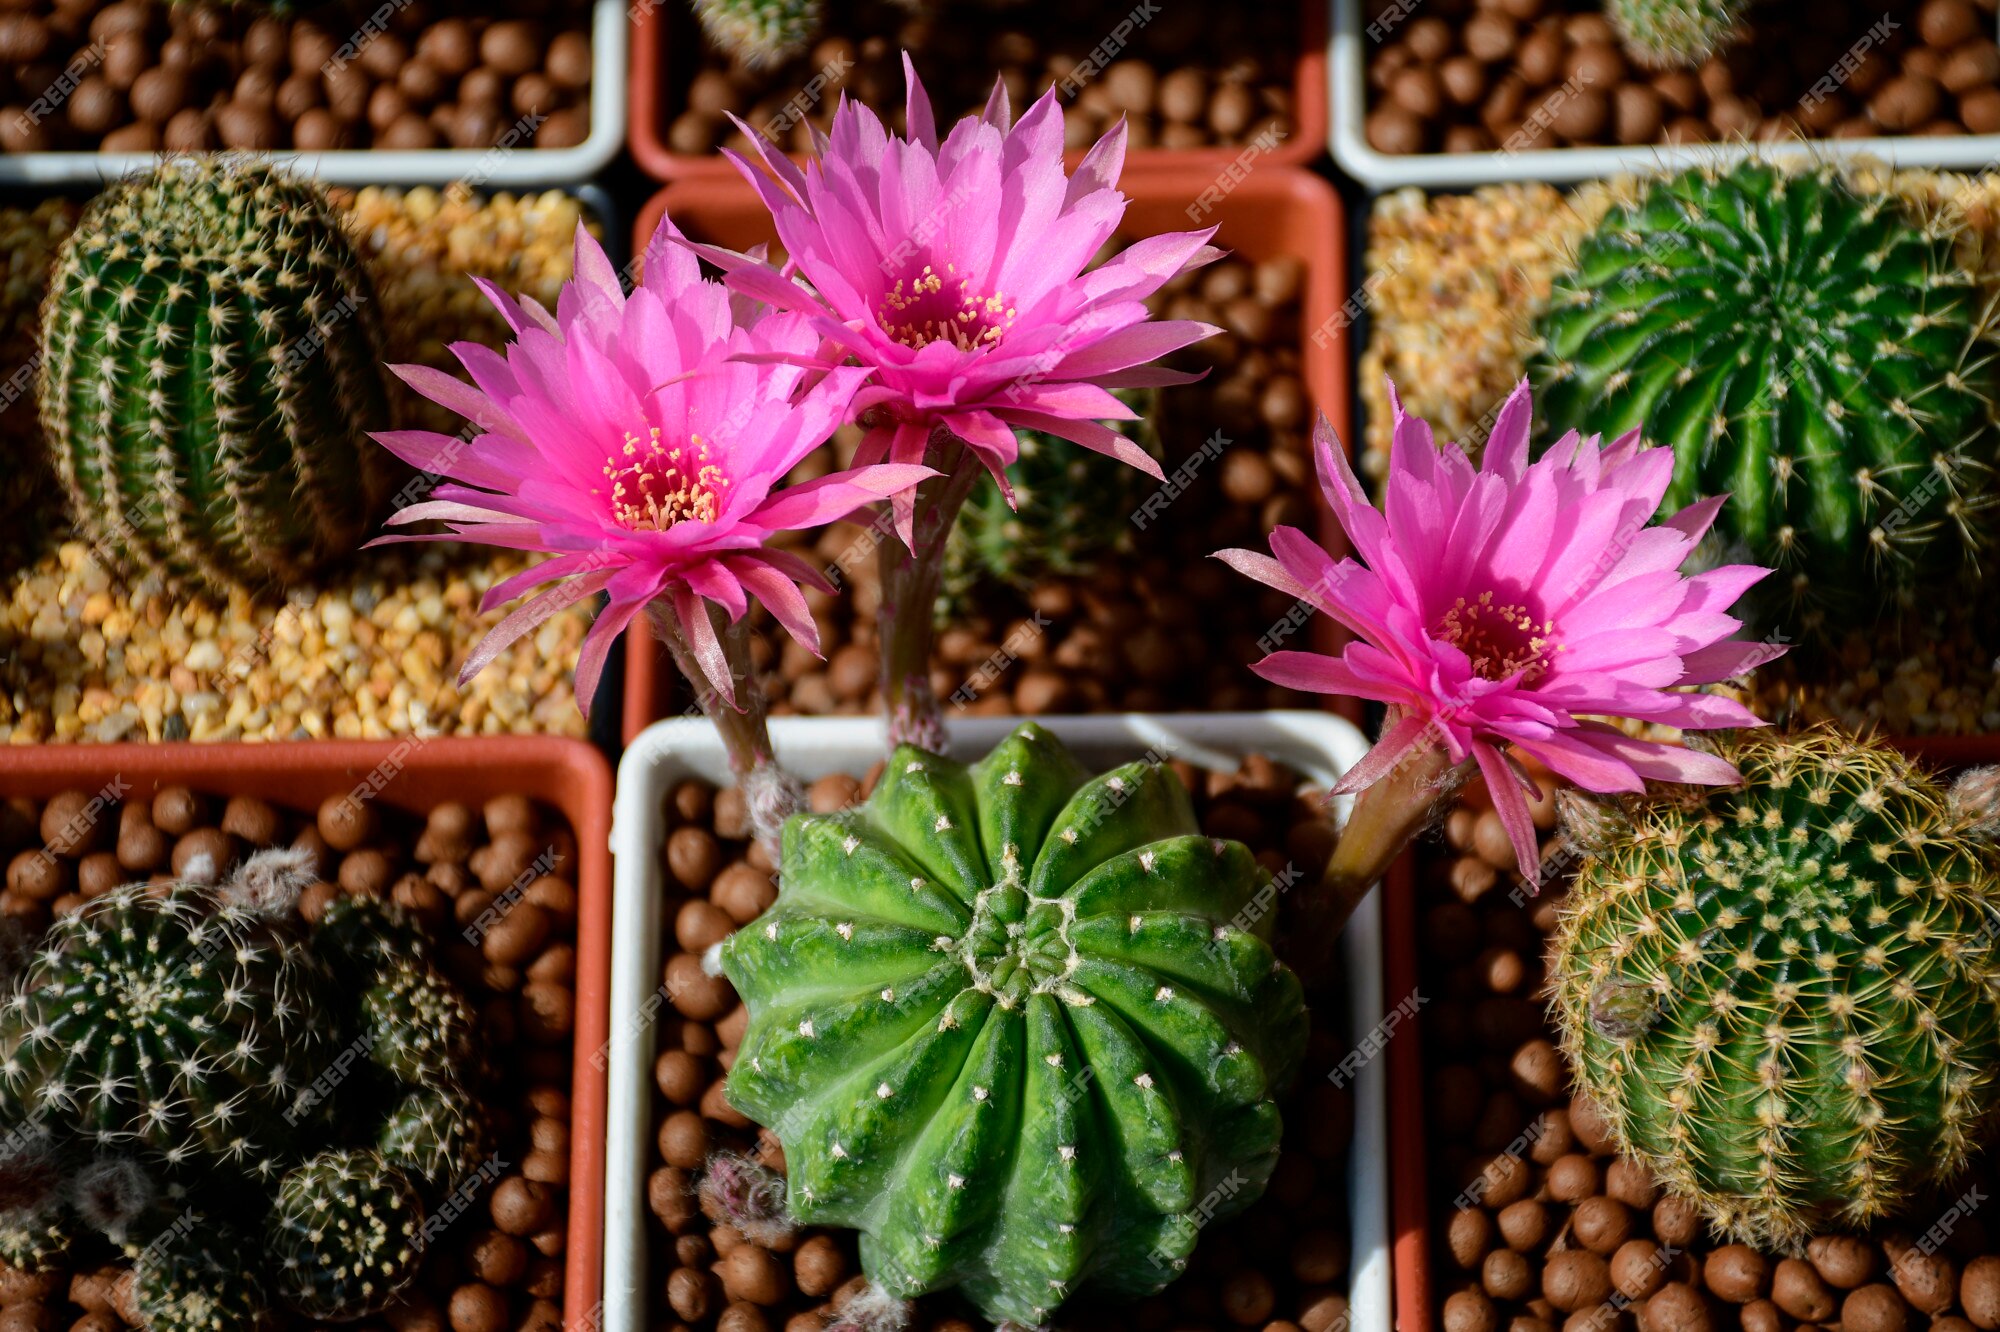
911, 580
773, 794
1386, 817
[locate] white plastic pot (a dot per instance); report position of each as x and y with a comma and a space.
1347, 71
510, 168
1317, 744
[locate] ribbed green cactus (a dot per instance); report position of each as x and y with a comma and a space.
1786, 997
1018, 1025
211, 365
346, 1235
759, 33
171, 1057
1073, 509
1675, 34
1816, 353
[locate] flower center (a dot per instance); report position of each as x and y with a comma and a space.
942, 307
1018, 945
652, 487
1500, 640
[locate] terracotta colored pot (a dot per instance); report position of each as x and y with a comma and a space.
1409, 1167
567, 775
657, 95
1271, 211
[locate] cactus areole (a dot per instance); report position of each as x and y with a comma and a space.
1021, 1026
1786, 997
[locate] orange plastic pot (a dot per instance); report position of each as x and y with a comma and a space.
1271, 211
659, 92
1409, 1167
567, 775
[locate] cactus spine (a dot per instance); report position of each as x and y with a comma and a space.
1675, 34
758, 33
211, 363
1817, 353
1018, 1025
1786, 997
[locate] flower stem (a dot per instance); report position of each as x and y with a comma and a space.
1385, 818
911, 579
773, 795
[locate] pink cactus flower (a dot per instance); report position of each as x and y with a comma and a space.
1515, 604
640, 440
955, 271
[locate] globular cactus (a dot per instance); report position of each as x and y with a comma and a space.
1072, 510
760, 33
171, 1021
1019, 1025
1675, 34
345, 1235
199, 1275
436, 1136
1816, 353
417, 1024
1785, 998
211, 365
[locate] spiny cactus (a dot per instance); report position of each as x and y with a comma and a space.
436, 1136
197, 1276
1017, 1025
172, 1021
418, 1025
211, 365
346, 1235
1786, 997
1814, 352
1073, 509
1675, 34
758, 33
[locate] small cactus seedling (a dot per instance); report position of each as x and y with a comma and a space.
1816, 353
1674, 34
760, 33
198, 1276
1786, 997
436, 1136
345, 1235
210, 368
1018, 1025
417, 1023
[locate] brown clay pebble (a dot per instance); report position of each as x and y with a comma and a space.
1924, 1279
343, 821
743, 891
694, 992
1572, 1178
684, 1140
1524, 1225
1507, 1275
1470, 1311
1737, 1273
479, 1306
1943, 24
1798, 1289
1539, 1073
204, 855
819, 1266
1601, 1224
1636, 1269
510, 46
1979, 1291
1575, 1279
497, 1258
1631, 1183
694, 857
1904, 102
1842, 1260
1876, 1308
1677, 1307
522, 1207
1469, 1234
751, 1273
1676, 1222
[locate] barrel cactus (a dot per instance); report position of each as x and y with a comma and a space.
346, 1234
1785, 997
1072, 509
759, 33
211, 365
195, 1277
1674, 34
1020, 1026
1815, 352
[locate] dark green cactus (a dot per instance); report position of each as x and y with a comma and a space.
200, 1276
1818, 354
346, 1235
1675, 34
436, 1136
35, 1239
760, 33
1786, 997
1016, 1024
417, 1024
211, 365
1073, 509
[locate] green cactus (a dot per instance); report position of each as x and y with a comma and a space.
366, 934
1020, 1026
346, 1234
1815, 352
211, 365
1786, 997
134, 985
1073, 509
759, 33
35, 1239
417, 1024
436, 1136
195, 1277
1675, 34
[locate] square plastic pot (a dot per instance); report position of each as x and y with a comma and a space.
1318, 745
1409, 1166
657, 93
566, 775
1347, 75
1271, 211
488, 168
